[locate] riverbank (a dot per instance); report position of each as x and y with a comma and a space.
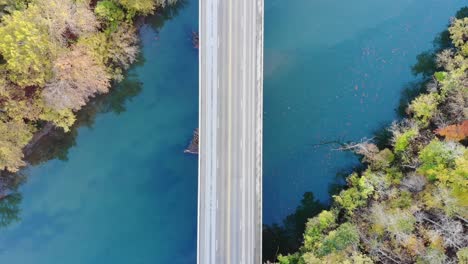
409, 204
76, 51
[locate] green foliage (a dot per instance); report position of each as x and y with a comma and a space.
24, 45
9, 6
143, 7
462, 255
403, 222
14, 135
356, 196
290, 259
437, 158
316, 227
344, 236
96, 44
402, 141
403, 200
61, 118
383, 159
393, 175
110, 12
458, 33
424, 107
440, 76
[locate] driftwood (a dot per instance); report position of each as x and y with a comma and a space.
365, 147
195, 40
193, 147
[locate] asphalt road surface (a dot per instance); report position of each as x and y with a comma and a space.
230, 154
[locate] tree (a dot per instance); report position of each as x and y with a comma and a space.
402, 141
344, 236
356, 196
26, 48
65, 19
424, 108
117, 49
61, 118
8, 6
14, 135
77, 77
456, 132
437, 158
110, 12
143, 7
458, 33
123, 46
317, 227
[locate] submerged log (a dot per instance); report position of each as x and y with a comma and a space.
193, 147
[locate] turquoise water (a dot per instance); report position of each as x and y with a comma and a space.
127, 193
334, 70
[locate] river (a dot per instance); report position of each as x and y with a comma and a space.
125, 192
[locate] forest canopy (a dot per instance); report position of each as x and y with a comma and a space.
55, 55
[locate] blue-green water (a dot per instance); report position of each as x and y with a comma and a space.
128, 193
334, 70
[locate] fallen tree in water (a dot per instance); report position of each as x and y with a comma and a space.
193, 147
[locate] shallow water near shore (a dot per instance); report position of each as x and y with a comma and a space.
127, 193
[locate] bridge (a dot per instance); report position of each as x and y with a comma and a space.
230, 135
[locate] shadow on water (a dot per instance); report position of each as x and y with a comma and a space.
10, 198
56, 143
426, 66
157, 21
287, 238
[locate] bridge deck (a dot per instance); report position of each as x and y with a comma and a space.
231, 105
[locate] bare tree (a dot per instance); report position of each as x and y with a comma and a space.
65, 18
414, 182
77, 77
452, 231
